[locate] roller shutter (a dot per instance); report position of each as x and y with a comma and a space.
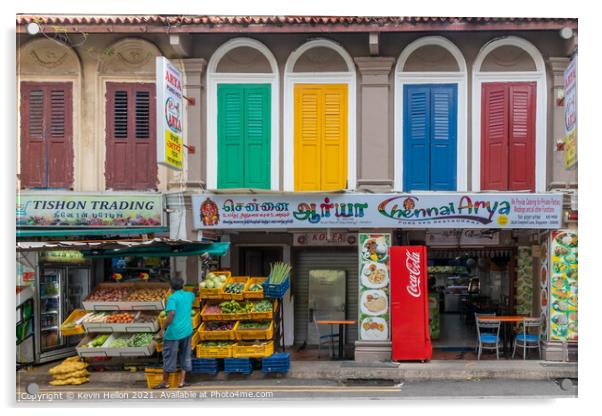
323, 258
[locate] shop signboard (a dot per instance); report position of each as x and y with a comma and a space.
325, 238
563, 285
63, 256
170, 114
570, 114
89, 210
457, 210
374, 284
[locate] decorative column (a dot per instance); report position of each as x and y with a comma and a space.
375, 163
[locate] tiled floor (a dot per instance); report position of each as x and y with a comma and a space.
455, 332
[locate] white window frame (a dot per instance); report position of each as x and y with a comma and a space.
215, 78
539, 77
460, 78
290, 79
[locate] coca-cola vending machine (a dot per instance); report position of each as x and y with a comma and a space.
409, 304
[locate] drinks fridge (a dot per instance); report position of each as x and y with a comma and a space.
409, 304
60, 290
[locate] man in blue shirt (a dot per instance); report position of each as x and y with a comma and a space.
177, 333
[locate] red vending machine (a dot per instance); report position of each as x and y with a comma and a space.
409, 304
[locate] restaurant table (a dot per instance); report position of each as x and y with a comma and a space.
505, 319
341, 324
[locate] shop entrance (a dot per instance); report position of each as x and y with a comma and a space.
255, 261
463, 282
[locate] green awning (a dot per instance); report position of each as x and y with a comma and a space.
66, 232
189, 249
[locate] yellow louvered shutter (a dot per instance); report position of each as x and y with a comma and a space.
320, 137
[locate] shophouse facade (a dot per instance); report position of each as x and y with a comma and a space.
287, 106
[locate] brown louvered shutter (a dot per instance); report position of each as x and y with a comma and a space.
46, 135
131, 162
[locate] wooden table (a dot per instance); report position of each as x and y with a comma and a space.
341, 324
506, 319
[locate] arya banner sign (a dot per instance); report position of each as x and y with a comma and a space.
494, 210
570, 114
170, 114
88, 210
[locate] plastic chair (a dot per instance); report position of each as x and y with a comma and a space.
476, 316
489, 338
529, 340
325, 339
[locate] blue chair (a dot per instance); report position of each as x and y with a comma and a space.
488, 334
476, 316
529, 339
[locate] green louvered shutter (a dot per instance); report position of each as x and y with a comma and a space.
243, 131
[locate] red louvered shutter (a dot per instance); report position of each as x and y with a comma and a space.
46, 135
131, 161
494, 137
521, 142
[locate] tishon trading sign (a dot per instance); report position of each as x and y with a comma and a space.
170, 114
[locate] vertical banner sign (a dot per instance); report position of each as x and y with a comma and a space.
524, 281
374, 275
170, 114
543, 288
570, 113
563, 285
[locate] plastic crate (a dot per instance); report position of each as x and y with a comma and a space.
193, 343
263, 349
213, 293
205, 351
254, 295
67, 330
253, 334
205, 335
154, 377
235, 296
276, 363
271, 290
223, 316
262, 316
206, 366
238, 365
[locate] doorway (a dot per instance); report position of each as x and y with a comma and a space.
255, 261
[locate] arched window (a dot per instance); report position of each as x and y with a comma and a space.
509, 117
430, 117
319, 118
242, 117
49, 75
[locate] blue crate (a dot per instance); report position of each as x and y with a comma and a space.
275, 369
238, 365
271, 290
279, 357
276, 363
206, 366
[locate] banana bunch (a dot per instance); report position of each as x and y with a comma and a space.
71, 371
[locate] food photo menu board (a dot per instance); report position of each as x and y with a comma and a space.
563, 285
374, 286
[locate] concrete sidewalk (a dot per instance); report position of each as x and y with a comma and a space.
351, 371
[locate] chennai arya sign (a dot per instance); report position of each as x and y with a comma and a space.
77, 210
493, 210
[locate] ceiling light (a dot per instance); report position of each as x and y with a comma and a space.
566, 33
33, 28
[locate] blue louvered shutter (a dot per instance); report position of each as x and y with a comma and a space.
443, 137
416, 130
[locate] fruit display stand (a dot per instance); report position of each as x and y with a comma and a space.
108, 350
233, 283
120, 297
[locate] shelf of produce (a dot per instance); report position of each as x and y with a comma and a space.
127, 328
240, 282
222, 316
105, 350
211, 350
127, 297
216, 335
257, 283
253, 349
266, 333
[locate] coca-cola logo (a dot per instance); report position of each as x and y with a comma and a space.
413, 266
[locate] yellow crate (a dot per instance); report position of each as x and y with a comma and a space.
193, 342
67, 330
196, 319
154, 377
263, 316
253, 295
265, 349
213, 293
222, 316
235, 296
204, 351
215, 335
252, 334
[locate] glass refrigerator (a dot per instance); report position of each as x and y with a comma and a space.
60, 290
